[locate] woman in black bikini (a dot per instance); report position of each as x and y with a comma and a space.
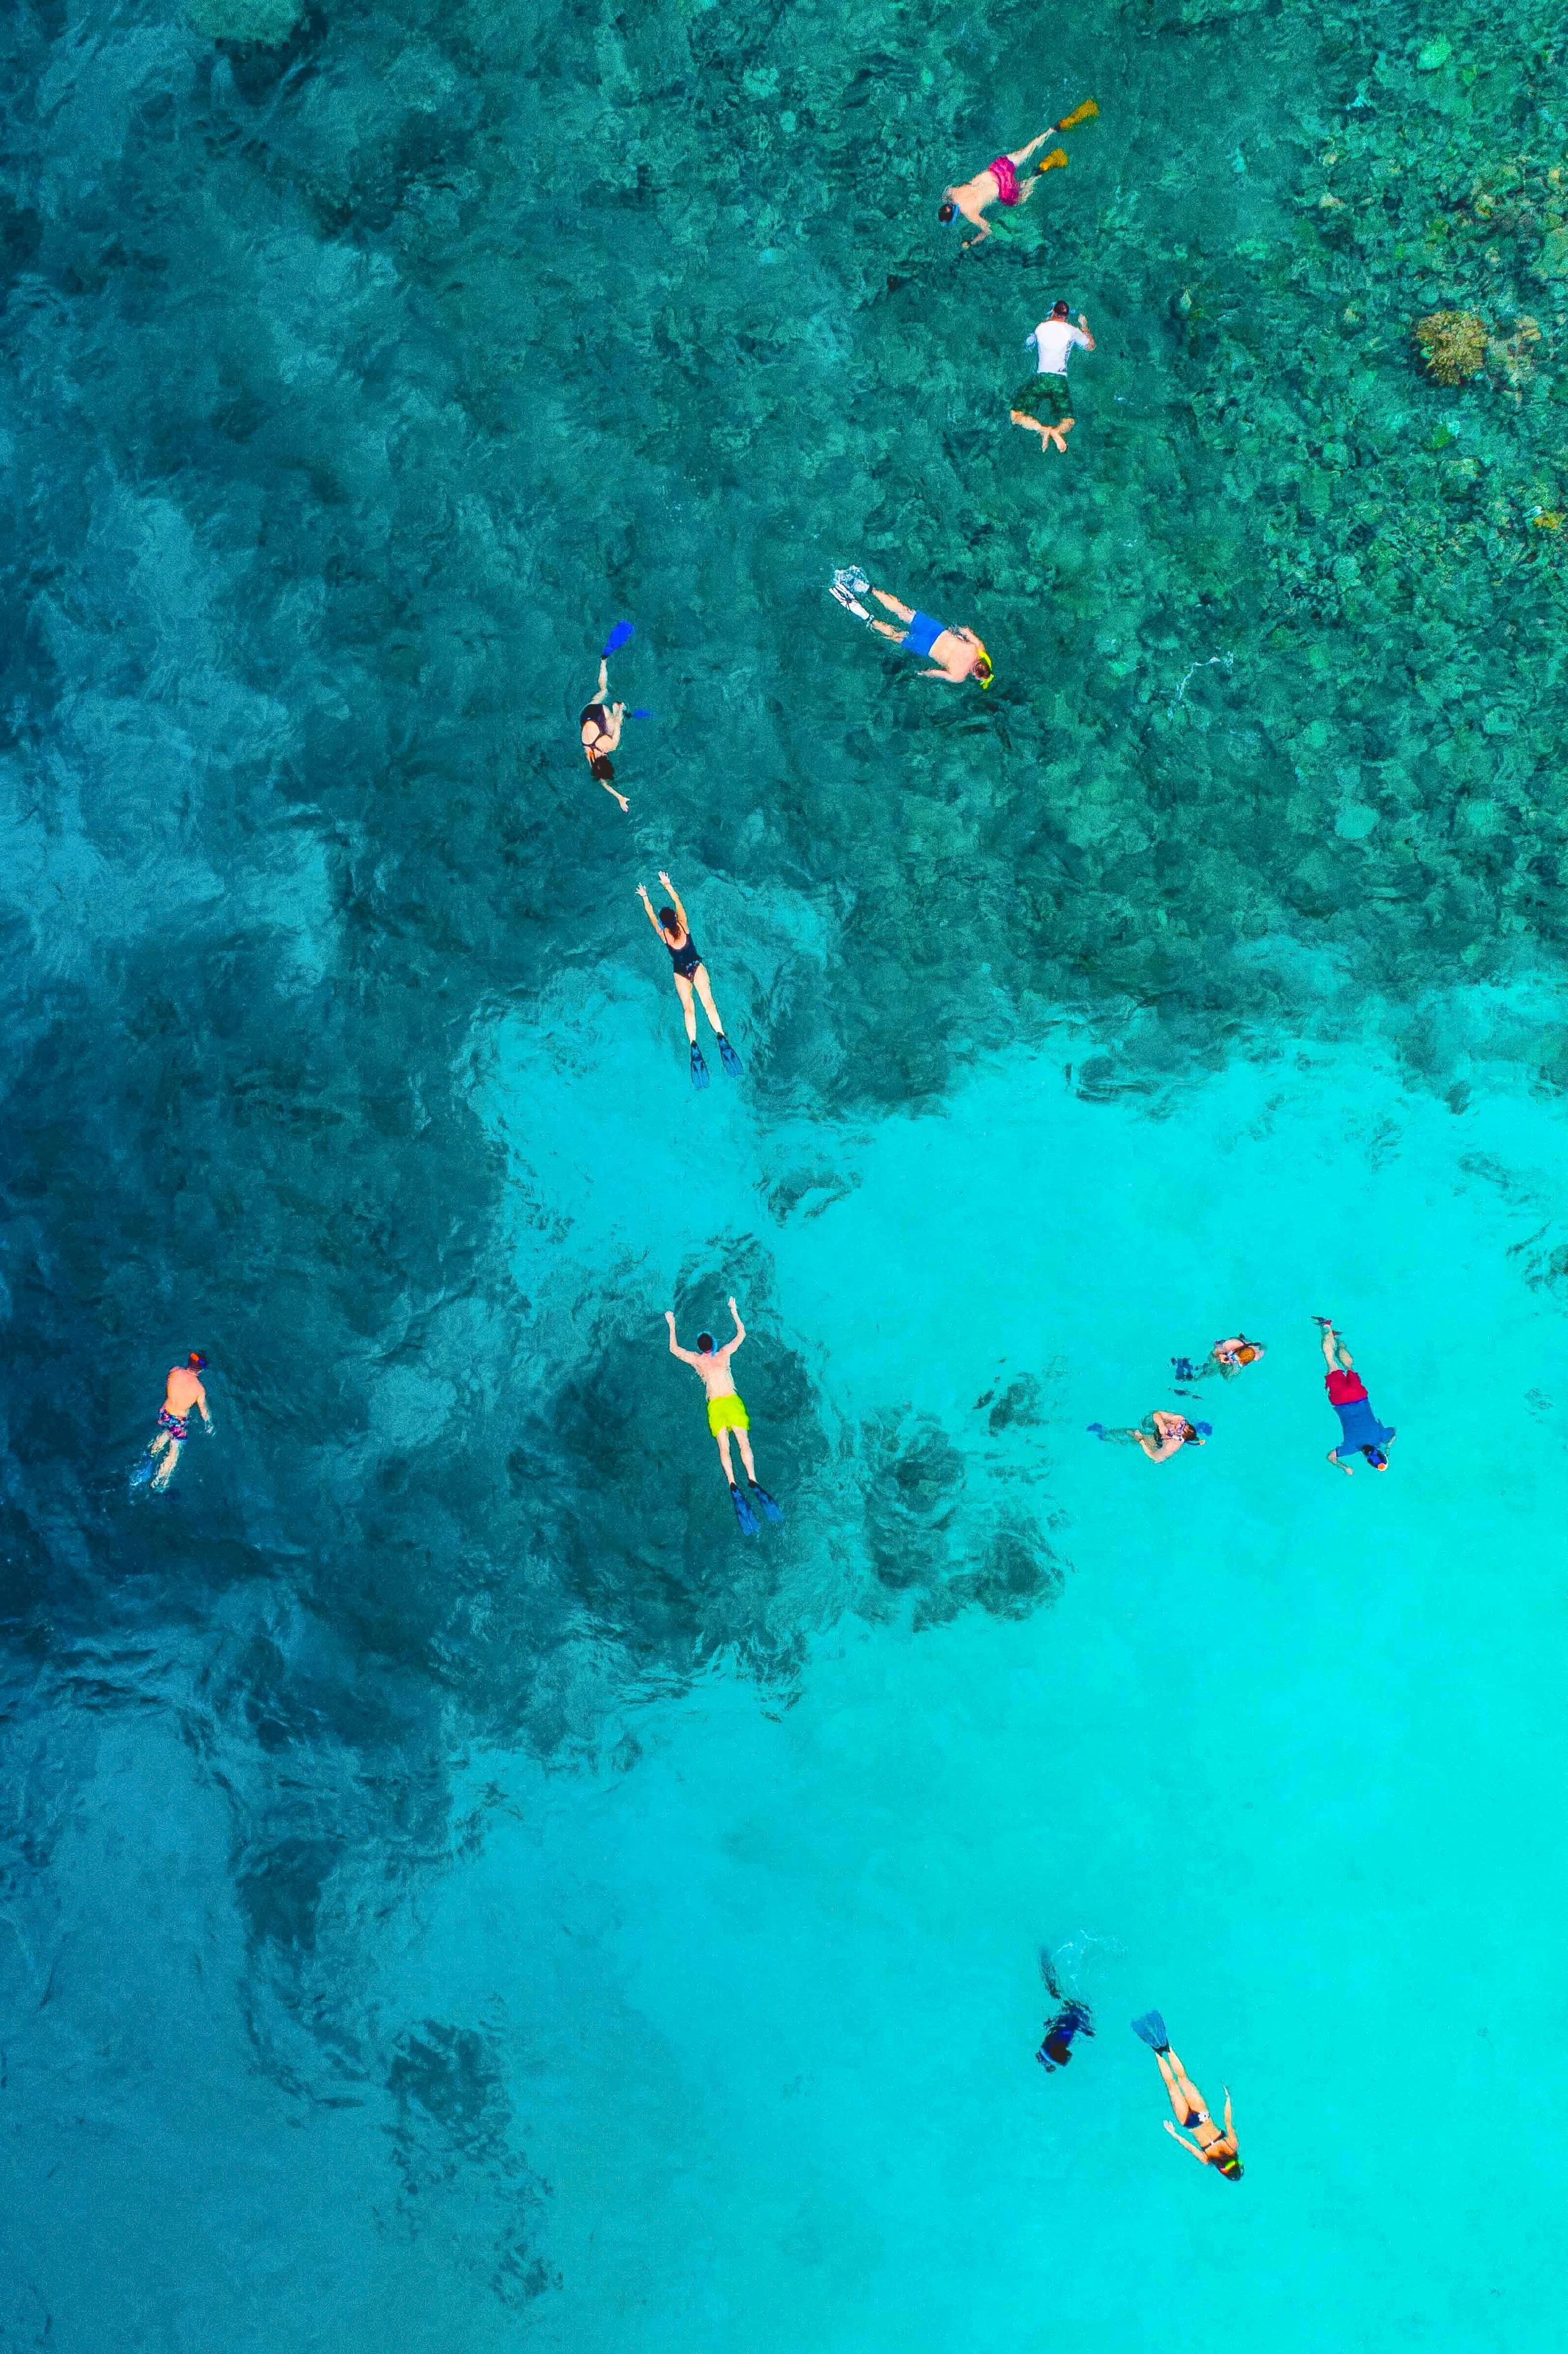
1214, 2148
691, 975
600, 729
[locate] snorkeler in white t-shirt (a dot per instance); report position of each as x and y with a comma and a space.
1051, 341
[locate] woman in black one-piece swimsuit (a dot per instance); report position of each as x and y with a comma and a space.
600, 727
691, 976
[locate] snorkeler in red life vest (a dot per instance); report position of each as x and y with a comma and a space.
1362, 1432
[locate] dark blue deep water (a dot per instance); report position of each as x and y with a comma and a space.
454, 1892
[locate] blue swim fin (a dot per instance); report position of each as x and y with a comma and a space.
143, 1473
640, 714
1098, 1429
1151, 2027
743, 1512
621, 636
729, 1059
770, 1511
699, 1068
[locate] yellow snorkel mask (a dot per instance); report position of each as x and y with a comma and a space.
983, 670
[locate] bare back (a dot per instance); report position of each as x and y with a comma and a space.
185, 1391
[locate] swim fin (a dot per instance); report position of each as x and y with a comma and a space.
743, 1512
621, 636
770, 1511
729, 1059
699, 1068
143, 1473
1151, 2027
851, 577
1055, 161
640, 714
1098, 1429
1186, 1371
851, 604
1084, 114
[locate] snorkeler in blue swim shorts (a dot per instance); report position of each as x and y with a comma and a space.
954, 654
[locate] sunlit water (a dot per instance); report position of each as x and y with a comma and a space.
457, 1892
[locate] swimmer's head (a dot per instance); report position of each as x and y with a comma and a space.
1058, 309
1231, 2167
705, 1344
599, 767
1192, 1434
945, 213
668, 918
983, 669
1247, 1351
196, 1362
1376, 1457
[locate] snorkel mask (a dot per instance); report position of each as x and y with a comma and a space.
983, 670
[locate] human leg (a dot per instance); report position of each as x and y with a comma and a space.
723, 1437
704, 991
1185, 2097
683, 991
905, 612
171, 1455
1021, 154
744, 1438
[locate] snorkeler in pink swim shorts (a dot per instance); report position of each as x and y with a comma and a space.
999, 182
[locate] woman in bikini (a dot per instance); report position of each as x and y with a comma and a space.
691, 976
601, 730
1214, 2148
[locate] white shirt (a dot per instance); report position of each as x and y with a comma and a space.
1053, 339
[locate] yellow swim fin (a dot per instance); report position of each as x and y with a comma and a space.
1048, 162
1084, 114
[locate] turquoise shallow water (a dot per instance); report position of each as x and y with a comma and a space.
455, 1891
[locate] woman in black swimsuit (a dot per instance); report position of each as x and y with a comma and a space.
691, 975
600, 729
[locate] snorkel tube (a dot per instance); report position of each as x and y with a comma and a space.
983, 669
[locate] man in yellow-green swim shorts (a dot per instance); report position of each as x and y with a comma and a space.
727, 1412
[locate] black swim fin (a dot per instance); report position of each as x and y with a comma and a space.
699, 1068
743, 1512
1151, 2027
729, 1059
770, 1511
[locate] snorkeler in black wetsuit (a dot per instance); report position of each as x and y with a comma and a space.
1073, 2018
1055, 2050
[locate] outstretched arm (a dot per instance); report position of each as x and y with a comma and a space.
739, 1327
1334, 1459
201, 1405
1184, 2143
1229, 2127
648, 910
675, 1349
675, 901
